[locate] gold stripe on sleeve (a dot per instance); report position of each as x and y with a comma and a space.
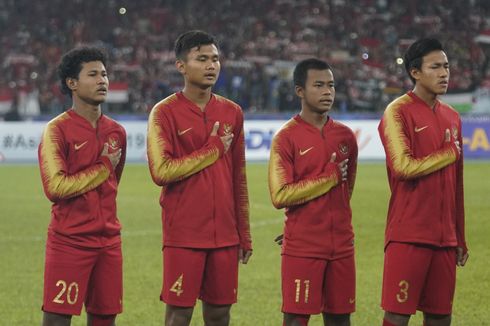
283, 190
164, 168
398, 151
56, 181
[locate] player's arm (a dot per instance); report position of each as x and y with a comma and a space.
399, 155
462, 251
165, 168
57, 183
118, 170
240, 190
283, 189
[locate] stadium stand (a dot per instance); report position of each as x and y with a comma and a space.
260, 42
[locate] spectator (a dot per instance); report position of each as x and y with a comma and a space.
361, 38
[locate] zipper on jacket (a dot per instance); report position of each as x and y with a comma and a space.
332, 252
441, 175
441, 172
205, 120
101, 218
332, 236
214, 217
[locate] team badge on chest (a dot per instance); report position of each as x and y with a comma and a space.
113, 142
454, 132
343, 148
227, 128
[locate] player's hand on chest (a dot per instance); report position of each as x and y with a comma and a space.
310, 157
427, 133
85, 148
193, 134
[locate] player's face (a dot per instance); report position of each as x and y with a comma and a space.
319, 91
434, 73
202, 66
92, 83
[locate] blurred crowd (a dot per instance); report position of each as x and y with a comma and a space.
260, 42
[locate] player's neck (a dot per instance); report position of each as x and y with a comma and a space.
198, 96
89, 112
425, 95
316, 119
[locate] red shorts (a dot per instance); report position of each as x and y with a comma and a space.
418, 277
208, 274
76, 275
311, 285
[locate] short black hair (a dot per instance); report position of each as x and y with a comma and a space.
416, 52
301, 70
189, 40
71, 64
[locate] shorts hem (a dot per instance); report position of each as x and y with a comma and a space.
178, 304
340, 311
301, 312
435, 311
61, 311
399, 311
219, 302
200, 245
114, 311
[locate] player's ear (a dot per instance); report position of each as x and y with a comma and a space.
415, 73
71, 83
180, 65
299, 91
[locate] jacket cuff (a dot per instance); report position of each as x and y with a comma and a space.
105, 160
216, 141
332, 169
247, 245
457, 153
463, 245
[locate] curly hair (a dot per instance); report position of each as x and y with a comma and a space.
71, 64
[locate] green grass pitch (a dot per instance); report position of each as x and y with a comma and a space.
25, 215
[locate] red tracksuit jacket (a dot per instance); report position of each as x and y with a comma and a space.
302, 179
204, 194
425, 173
81, 184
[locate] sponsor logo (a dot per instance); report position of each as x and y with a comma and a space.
304, 151
181, 132
417, 129
351, 301
78, 146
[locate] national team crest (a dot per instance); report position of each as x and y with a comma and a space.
227, 128
455, 133
113, 142
343, 148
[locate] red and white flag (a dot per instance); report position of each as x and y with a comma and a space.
483, 37
6, 100
118, 92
